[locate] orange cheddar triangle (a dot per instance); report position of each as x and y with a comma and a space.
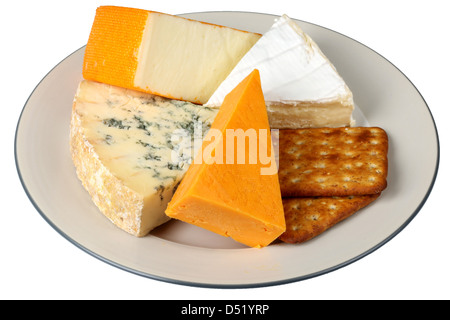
225, 189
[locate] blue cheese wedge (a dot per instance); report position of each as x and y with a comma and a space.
131, 150
301, 86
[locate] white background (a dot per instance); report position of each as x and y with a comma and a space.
37, 263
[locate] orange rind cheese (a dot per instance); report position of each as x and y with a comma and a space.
230, 197
162, 54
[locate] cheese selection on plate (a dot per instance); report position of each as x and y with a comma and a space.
173, 120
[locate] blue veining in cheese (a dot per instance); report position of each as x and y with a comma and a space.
129, 151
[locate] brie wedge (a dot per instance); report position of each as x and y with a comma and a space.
301, 86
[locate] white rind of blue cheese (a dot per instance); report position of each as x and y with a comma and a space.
301, 86
123, 144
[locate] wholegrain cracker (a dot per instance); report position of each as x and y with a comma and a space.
308, 217
332, 161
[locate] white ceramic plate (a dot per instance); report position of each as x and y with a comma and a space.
187, 255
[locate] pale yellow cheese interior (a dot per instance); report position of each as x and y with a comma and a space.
187, 57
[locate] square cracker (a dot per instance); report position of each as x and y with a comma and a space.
332, 161
306, 218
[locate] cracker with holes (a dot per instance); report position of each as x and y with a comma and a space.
308, 217
332, 161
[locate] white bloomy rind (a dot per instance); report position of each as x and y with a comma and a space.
293, 70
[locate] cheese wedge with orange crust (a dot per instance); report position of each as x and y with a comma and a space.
223, 195
162, 54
